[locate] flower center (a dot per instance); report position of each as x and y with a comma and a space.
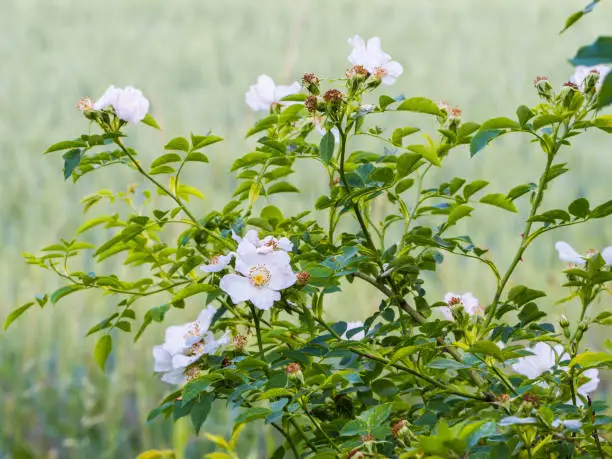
193, 331
380, 73
214, 260
259, 276
272, 243
197, 348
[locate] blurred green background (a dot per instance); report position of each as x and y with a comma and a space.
194, 60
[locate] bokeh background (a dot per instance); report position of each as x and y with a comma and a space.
194, 60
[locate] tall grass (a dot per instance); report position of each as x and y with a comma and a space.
194, 59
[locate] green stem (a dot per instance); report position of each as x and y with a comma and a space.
171, 195
420, 319
288, 438
256, 318
400, 366
524, 241
354, 205
297, 427
318, 427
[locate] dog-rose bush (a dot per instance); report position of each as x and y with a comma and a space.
422, 376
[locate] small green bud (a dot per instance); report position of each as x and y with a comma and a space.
544, 87
564, 323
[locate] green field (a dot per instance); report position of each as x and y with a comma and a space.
194, 59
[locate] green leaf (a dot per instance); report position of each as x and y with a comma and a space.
457, 213
400, 133
150, 121
178, 143
499, 200
427, 153
572, 20
447, 364
162, 170
200, 411
600, 52
407, 163
466, 129
419, 105
263, 124
605, 96
473, 187
482, 139
518, 191
524, 114
545, 120
64, 291
66, 145
602, 210
579, 208
201, 141
276, 393
499, 123
252, 414
292, 113
16, 313
403, 185
282, 187
592, 359
164, 159
384, 101
197, 156
326, 147
196, 387
487, 348
103, 348
192, 289
356, 427
71, 160
383, 175
295, 98
384, 388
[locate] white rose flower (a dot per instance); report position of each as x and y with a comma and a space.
129, 103
581, 73
467, 301
544, 358
264, 94
184, 345
217, 263
567, 253
267, 244
371, 56
357, 336
262, 277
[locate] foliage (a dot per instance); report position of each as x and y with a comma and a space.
404, 383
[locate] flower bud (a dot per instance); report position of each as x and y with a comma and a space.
303, 277
583, 326
311, 104
502, 399
544, 87
567, 94
311, 83
564, 323
591, 82
333, 97
400, 429
368, 441
294, 371
355, 454
531, 399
